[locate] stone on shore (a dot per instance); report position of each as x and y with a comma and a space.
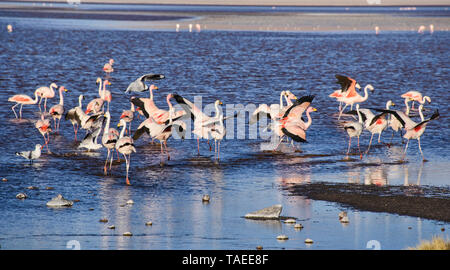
59, 201
272, 212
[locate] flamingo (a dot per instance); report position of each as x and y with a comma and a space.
413, 130
201, 129
104, 94
416, 96
375, 124
57, 110
128, 116
31, 155
274, 111
161, 131
395, 125
139, 84
354, 97
151, 110
96, 105
291, 125
73, 116
348, 88
46, 92
109, 140
145, 105
354, 129
218, 131
108, 67
22, 99
125, 146
44, 127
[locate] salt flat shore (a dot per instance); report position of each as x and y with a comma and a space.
238, 21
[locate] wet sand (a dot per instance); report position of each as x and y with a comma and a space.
238, 21
417, 201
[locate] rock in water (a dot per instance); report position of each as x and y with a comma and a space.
59, 201
272, 212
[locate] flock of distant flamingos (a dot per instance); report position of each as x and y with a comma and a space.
286, 120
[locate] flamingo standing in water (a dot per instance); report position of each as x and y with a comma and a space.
413, 130
108, 67
109, 140
57, 110
354, 129
128, 116
73, 116
274, 111
104, 93
22, 99
416, 96
46, 92
44, 127
96, 105
125, 146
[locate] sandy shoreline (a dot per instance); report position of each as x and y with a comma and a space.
417, 201
242, 21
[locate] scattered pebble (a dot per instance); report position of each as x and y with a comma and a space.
103, 220
309, 241
127, 234
205, 198
4, 180
282, 237
112, 227
298, 226
442, 229
76, 200
49, 188
91, 209
130, 202
32, 187
148, 223
21, 196
259, 247
409, 228
290, 220
343, 217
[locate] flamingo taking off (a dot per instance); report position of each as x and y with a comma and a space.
125, 146
139, 84
57, 110
22, 100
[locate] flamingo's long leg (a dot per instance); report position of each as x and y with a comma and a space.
12, 108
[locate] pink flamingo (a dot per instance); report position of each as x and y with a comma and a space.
109, 140
416, 96
46, 92
57, 110
108, 66
22, 99
353, 98
43, 126
125, 146
96, 105
105, 94
128, 116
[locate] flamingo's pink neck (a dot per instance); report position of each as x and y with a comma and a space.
61, 98
308, 123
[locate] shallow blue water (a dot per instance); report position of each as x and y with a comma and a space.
237, 68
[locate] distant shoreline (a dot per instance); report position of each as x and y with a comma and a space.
231, 3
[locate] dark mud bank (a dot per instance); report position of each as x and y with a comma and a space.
418, 201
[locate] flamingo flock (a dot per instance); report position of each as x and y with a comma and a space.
290, 119
377, 120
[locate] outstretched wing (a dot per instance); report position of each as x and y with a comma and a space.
345, 82
300, 105
190, 108
150, 77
